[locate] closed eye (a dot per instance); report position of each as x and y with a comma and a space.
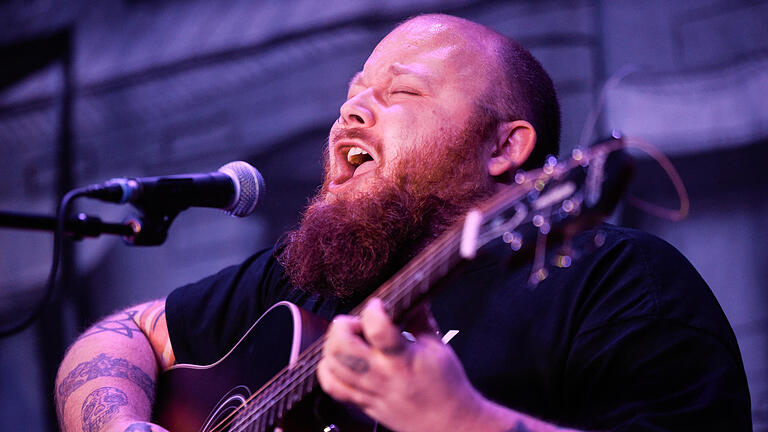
406, 91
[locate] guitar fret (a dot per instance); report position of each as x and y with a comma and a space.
270, 416
281, 382
296, 388
307, 384
281, 407
293, 384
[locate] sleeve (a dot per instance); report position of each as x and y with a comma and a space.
206, 318
654, 351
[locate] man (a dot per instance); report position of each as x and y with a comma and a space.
629, 338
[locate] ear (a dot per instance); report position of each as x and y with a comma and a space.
515, 141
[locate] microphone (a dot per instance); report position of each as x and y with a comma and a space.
235, 188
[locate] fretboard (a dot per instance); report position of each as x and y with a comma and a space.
407, 288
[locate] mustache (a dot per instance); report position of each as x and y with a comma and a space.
350, 134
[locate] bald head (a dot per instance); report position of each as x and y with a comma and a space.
451, 28
470, 47
512, 83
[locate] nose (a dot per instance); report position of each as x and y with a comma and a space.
357, 111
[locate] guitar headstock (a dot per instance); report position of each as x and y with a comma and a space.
563, 197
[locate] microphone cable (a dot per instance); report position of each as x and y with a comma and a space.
37, 311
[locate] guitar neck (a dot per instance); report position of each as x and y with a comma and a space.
409, 287
412, 284
591, 192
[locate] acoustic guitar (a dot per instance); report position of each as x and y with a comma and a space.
249, 391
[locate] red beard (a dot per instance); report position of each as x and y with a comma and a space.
347, 247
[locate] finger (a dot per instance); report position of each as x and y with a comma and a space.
379, 330
338, 389
355, 364
360, 377
421, 322
345, 336
346, 324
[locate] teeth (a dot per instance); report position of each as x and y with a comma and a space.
355, 155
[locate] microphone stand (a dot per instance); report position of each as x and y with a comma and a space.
148, 229
79, 227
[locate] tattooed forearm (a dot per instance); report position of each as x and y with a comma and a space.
104, 365
355, 364
139, 427
101, 406
122, 324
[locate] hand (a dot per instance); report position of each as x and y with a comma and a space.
407, 386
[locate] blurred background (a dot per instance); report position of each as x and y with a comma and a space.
94, 90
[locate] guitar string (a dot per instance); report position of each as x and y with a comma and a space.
306, 369
299, 381
308, 359
269, 390
406, 288
393, 293
394, 290
257, 412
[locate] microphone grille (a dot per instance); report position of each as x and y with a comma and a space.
249, 187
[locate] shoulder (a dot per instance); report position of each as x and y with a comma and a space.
628, 257
636, 277
608, 240
207, 317
259, 269
214, 311
646, 322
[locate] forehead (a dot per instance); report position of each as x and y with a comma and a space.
432, 48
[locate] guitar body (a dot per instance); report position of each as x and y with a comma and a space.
198, 398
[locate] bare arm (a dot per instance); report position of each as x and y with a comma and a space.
106, 381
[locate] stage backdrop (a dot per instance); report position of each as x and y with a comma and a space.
94, 90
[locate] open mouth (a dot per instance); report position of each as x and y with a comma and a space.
352, 161
360, 160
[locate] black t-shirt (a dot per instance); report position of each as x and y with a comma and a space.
629, 337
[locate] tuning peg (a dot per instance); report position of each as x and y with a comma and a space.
568, 206
565, 256
541, 223
520, 177
562, 261
538, 276
581, 156
577, 154
549, 165
514, 239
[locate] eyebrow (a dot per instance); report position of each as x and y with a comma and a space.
426, 79
395, 69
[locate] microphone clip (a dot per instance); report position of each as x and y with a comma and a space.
150, 228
